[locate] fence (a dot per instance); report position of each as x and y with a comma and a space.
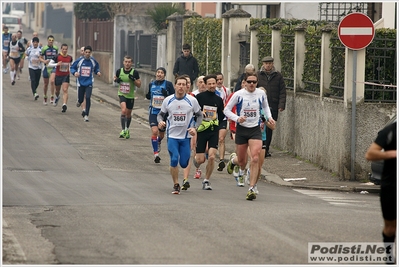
96, 33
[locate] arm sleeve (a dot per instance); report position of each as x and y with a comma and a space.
148, 95
73, 69
52, 63
220, 110
229, 106
22, 48
160, 116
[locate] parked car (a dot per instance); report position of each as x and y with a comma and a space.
378, 166
13, 23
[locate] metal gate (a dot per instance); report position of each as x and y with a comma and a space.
244, 55
143, 49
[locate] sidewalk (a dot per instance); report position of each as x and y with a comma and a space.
281, 165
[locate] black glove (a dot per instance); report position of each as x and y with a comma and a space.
118, 80
165, 92
262, 117
131, 77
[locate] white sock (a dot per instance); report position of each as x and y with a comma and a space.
12, 73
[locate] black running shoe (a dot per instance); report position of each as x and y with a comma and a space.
83, 113
176, 189
157, 159
64, 108
221, 165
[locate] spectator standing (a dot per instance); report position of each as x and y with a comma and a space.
128, 78
34, 65
157, 92
274, 84
83, 69
248, 68
208, 132
186, 64
385, 148
181, 109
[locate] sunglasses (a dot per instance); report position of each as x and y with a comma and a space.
254, 82
50, 39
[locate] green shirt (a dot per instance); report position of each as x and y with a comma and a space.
126, 86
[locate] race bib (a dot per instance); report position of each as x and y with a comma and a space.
179, 119
124, 87
157, 101
250, 114
35, 62
85, 71
64, 67
6, 43
209, 113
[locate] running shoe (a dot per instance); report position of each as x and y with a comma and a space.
185, 185
221, 165
157, 159
78, 104
56, 101
45, 101
127, 134
36, 96
64, 108
206, 185
13, 82
236, 171
83, 113
230, 165
251, 194
246, 177
86, 118
52, 99
176, 189
122, 134
195, 163
240, 181
256, 189
198, 173
18, 77
5, 71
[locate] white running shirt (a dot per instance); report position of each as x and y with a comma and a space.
249, 105
180, 115
33, 57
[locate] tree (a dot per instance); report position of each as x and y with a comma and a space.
89, 11
160, 12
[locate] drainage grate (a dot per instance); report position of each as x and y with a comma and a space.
23, 170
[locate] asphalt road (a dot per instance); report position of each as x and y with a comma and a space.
74, 193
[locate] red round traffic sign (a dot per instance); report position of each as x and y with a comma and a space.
356, 31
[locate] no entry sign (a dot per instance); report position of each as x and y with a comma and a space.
356, 31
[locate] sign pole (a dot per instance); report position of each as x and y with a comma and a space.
353, 138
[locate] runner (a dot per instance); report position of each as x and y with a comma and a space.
48, 53
181, 109
14, 50
35, 65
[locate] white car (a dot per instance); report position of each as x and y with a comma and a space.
13, 23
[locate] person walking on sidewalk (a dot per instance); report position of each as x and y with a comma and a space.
208, 132
158, 90
181, 109
83, 69
62, 63
14, 54
128, 78
385, 148
186, 64
248, 133
49, 52
224, 93
273, 82
34, 65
